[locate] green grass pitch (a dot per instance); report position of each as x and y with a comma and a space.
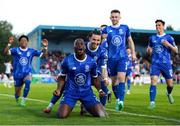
136, 110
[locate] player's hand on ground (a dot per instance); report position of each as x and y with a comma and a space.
57, 92
11, 40
101, 93
45, 42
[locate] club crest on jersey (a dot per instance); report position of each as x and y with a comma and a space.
23, 61
86, 68
28, 54
158, 49
121, 31
116, 40
80, 79
162, 40
95, 58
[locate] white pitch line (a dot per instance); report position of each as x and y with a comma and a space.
121, 112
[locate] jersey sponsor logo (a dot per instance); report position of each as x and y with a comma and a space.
158, 49
23, 61
80, 79
116, 40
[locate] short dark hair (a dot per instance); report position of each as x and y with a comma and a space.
103, 25
94, 32
23, 36
159, 20
78, 40
115, 11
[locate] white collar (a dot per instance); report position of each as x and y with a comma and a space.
88, 46
23, 49
161, 35
116, 26
80, 60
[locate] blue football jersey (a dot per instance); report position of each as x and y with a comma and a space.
99, 55
78, 73
22, 61
104, 44
161, 53
116, 40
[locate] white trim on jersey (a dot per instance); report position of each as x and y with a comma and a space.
116, 26
88, 46
80, 60
23, 49
161, 35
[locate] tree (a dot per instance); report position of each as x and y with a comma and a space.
169, 28
5, 33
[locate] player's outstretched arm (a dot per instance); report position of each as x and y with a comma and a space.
45, 47
6, 49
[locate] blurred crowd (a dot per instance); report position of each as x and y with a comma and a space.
141, 67
51, 64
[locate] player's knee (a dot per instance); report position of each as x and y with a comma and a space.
62, 115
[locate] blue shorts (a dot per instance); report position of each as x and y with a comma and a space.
18, 82
116, 65
164, 68
129, 72
88, 99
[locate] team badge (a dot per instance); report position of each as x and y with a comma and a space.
121, 31
28, 54
86, 68
95, 58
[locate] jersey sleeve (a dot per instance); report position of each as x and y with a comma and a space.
94, 69
150, 42
128, 32
12, 51
104, 31
104, 56
64, 67
171, 41
37, 53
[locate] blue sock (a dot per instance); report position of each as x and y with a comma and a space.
169, 89
105, 89
54, 99
152, 92
26, 88
116, 91
122, 91
129, 84
16, 96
